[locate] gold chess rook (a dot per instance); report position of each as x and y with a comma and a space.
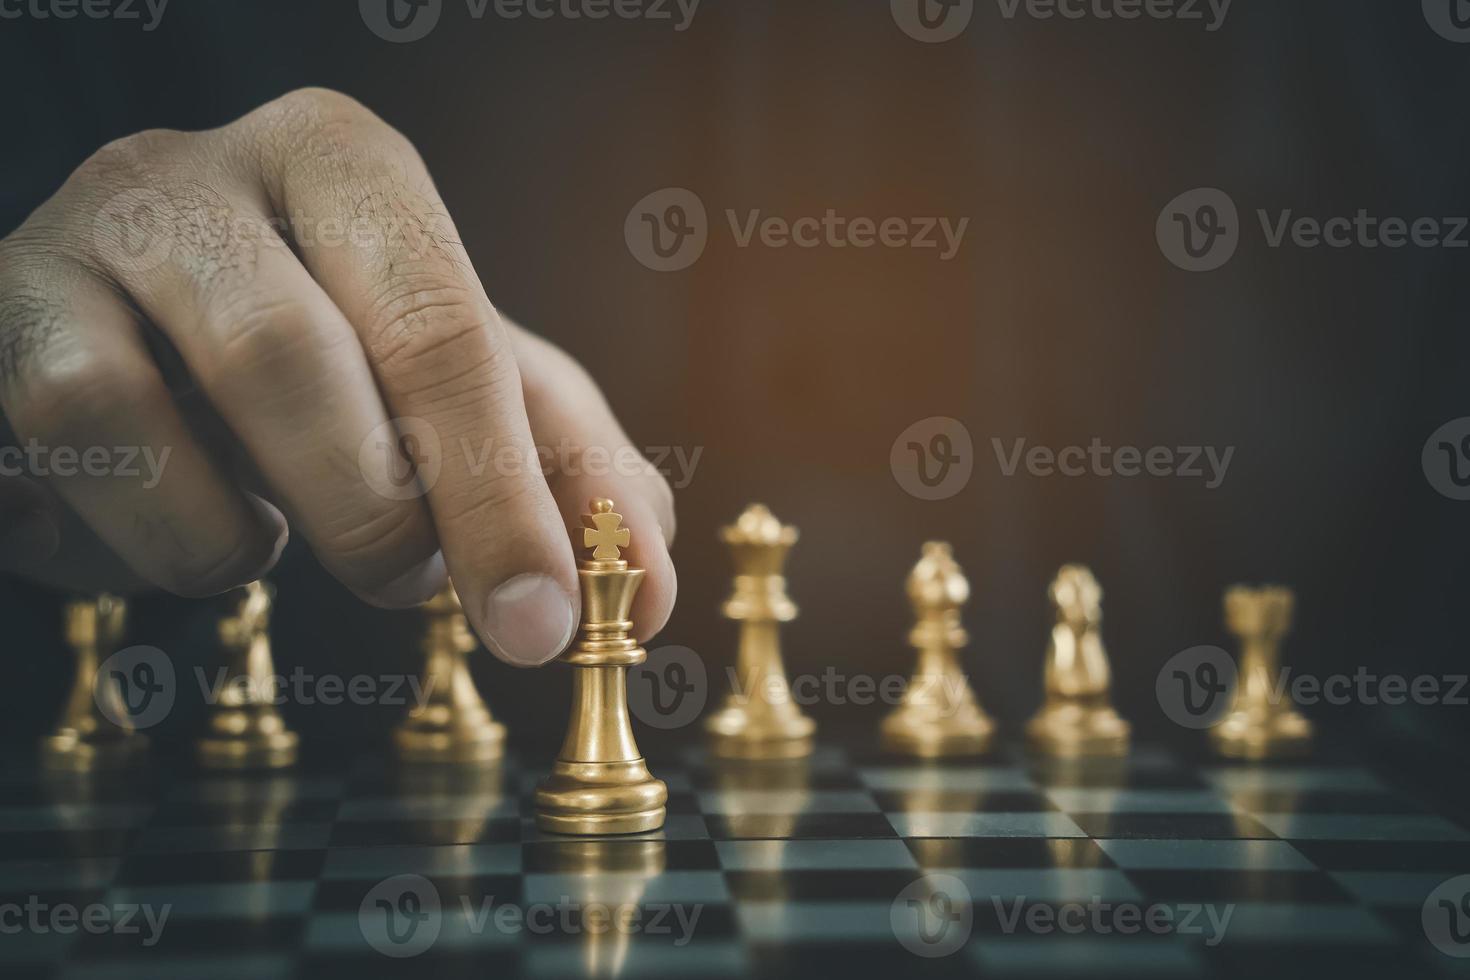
939, 715
599, 783
95, 730
1077, 717
452, 725
243, 729
760, 720
1258, 726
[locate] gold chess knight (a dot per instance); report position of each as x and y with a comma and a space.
599, 783
1259, 726
95, 730
452, 724
939, 715
760, 720
1077, 717
243, 729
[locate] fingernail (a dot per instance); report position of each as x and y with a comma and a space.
529, 619
415, 586
274, 523
30, 537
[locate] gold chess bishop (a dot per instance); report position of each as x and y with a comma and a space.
760, 720
453, 724
95, 730
1258, 726
243, 729
939, 715
1077, 717
600, 783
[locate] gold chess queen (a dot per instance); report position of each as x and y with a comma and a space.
600, 783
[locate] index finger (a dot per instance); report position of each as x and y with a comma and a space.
441, 356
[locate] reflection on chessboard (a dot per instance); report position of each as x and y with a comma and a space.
774, 872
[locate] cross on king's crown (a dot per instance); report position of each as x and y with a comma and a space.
604, 532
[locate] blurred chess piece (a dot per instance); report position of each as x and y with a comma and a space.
95, 730
243, 729
939, 715
456, 803
761, 799
1258, 725
599, 783
1077, 717
452, 724
760, 720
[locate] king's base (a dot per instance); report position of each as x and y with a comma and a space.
484, 743
273, 750
1251, 736
73, 753
919, 734
1072, 731
597, 798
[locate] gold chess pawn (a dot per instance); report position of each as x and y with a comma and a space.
244, 730
95, 730
939, 715
1258, 726
453, 724
760, 720
600, 783
1077, 717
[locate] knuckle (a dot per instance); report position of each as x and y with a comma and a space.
434, 328
379, 545
483, 499
326, 127
31, 318
133, 160
65, 394
314, 104
254, 335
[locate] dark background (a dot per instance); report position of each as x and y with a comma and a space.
794, 370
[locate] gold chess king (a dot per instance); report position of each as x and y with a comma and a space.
600, 783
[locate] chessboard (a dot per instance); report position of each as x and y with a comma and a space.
843, 864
